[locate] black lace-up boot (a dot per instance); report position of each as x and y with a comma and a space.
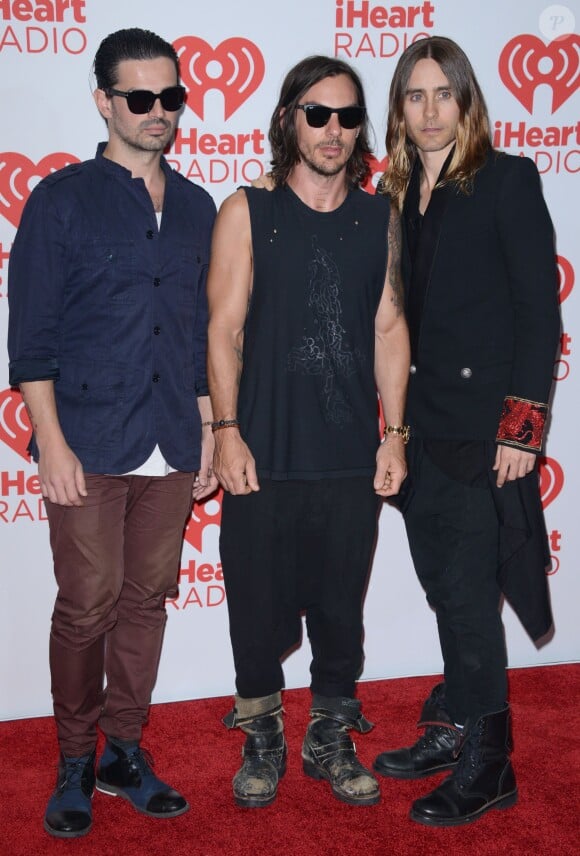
436, 750
483, 779
329, 753
255, 784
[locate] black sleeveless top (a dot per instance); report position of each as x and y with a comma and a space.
307, 401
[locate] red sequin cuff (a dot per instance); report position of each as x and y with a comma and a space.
522, 423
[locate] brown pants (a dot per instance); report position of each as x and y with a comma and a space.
116, 559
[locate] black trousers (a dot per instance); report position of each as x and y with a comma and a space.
453, 535
298, 546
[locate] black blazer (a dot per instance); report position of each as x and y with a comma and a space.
488, 324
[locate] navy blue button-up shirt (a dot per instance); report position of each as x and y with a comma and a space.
114, 310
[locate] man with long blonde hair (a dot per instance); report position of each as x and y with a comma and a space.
481, 302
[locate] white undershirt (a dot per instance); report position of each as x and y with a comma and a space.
155, 465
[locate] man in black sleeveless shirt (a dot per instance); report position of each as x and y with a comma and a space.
306, 324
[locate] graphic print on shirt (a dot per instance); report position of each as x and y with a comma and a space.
326, 353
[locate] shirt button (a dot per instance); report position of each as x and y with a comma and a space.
149, 234
157, 330
466, 373
156, 378
413, 369
156, 282
84, 386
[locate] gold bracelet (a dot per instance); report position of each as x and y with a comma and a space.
403, 431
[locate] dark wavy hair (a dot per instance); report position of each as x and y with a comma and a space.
133, 43
282, 133
473, 140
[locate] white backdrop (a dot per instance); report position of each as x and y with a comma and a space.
234, 56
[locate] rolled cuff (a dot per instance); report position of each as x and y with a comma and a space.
23, 371
522, 423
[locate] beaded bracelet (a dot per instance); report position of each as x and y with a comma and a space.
224, 423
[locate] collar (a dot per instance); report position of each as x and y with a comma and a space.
122, 172
412, 196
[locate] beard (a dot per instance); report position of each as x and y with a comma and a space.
137, 139
325, 166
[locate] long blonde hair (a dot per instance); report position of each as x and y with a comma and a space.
473, 140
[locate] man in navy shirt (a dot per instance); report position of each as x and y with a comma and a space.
107, 344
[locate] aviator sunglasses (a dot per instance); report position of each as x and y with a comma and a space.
142, 100
317, 115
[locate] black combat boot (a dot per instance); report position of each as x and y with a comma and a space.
483, 779
436, 750
329, 753
264, 752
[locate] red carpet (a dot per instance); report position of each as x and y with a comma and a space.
196, 754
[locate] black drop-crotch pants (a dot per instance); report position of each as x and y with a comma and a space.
298, 546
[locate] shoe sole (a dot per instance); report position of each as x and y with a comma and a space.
504, 802
402, 774
113, 791
57, 834
314, 772
254, 802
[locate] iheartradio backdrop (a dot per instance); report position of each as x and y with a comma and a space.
527, 59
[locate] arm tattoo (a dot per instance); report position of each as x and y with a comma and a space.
394, 262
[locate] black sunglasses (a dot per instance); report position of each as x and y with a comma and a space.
142, 100
317, 115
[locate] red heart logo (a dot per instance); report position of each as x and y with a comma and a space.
203, 514
565, 277
526, 62
377, 169
15, 428
238, 65
17, 178
551, 480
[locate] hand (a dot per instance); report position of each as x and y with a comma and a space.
391, 467
234, 464
61, 475
204, 484
205, 481
264, 182
511, 464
